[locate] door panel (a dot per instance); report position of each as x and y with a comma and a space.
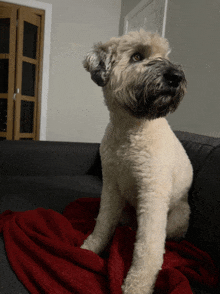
3, 114
27, 116
4, 33
28, 79
27, 74
30, 40
7, 70
4, 66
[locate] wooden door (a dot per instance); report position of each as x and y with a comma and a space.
7, 70
20, 70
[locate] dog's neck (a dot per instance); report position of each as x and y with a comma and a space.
123, 124
123, 120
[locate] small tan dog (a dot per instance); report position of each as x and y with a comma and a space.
143, 162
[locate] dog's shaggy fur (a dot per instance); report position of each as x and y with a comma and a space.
143, 163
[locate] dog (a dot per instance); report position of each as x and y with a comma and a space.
143, 162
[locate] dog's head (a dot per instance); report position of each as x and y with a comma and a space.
136, 74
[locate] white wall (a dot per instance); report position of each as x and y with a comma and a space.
76, 111
193, 30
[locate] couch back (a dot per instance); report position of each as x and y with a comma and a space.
40, 158
204, 197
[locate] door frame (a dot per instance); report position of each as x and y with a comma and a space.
44, 81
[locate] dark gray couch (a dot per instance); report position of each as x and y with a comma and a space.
53, 174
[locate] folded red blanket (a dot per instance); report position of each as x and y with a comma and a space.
43, 248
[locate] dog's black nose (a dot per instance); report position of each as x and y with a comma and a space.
173, 78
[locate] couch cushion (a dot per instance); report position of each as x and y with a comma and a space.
55, 192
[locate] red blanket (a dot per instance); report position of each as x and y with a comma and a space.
43, 249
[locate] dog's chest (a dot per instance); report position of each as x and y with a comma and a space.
125, 161
145, 158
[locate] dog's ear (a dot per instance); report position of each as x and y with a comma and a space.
99, 62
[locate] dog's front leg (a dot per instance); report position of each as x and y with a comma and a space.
110, 210
149, 247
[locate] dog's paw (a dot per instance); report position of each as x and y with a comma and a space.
138, 282
85, 246
92, 244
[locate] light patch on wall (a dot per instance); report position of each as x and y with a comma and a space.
77, 49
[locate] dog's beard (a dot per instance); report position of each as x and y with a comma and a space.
155, 105
149, 96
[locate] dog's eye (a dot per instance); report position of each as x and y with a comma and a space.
137, 57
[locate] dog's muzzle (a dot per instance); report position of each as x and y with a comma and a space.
159, 91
